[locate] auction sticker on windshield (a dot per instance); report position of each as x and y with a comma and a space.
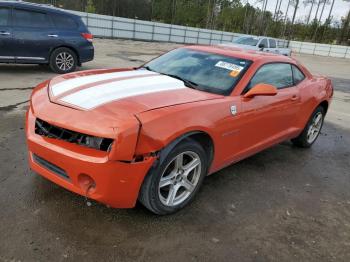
229, 66
234, 73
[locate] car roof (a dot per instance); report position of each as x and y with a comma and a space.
241, 53
34, 6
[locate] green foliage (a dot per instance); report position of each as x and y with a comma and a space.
90, 8
228, 15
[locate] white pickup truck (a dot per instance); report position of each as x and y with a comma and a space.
261, 43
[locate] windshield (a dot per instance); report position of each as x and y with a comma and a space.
201, 70
246, 41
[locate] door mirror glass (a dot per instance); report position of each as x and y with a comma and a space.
261, 90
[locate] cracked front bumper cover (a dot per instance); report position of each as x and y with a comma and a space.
117, 184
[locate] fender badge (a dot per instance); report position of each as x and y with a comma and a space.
233, 110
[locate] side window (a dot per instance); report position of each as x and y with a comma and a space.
272, 43
276, 74
297, 75
264, 42
64, 22
4, 16
26, 18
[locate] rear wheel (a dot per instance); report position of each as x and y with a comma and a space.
311, 130
63, 60
174, 182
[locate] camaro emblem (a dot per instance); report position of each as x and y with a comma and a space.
233, 110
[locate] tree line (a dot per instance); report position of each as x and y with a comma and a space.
239, 16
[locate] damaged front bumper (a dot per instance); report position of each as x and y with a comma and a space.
85, 171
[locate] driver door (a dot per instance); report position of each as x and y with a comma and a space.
32, 33
269, 119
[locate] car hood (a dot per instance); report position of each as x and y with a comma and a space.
126, 91
99, 102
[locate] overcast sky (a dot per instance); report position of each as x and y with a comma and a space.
340, 8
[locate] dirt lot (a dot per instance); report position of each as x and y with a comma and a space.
283, 204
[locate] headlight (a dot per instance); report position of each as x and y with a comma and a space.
46, 129
99, 143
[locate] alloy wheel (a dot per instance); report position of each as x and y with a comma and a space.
64, 61
179, 178
315, 127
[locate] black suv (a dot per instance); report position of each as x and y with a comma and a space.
40, 34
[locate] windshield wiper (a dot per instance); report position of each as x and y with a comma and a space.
187, 83
148, 68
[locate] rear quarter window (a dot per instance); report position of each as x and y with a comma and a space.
297, 75
64, 22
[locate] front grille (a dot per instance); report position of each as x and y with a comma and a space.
46, 129
53, 168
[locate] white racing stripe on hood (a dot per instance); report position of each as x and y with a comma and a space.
70, 84
98, 95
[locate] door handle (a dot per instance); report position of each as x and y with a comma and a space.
4, 33
52, 35
294, 97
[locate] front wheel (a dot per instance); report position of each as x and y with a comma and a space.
63, 60
311, 130
174, 182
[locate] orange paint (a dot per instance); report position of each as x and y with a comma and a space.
143, 125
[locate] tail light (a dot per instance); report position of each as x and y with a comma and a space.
87, 36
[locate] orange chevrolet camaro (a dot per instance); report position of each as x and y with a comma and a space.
153, 133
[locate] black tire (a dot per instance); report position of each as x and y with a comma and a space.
302, 140
63, 60
150, 193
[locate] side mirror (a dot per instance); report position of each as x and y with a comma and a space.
261, 90
261, 46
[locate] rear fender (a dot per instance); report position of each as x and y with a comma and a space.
319, 91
